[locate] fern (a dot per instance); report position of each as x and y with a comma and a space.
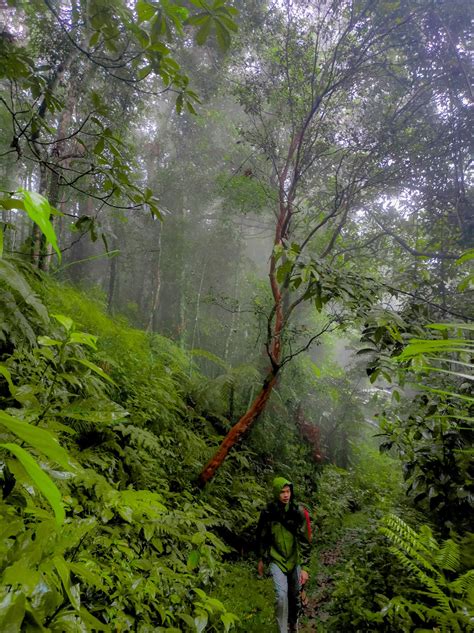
21, 310
448, 556
419, 549
445, 602
16, 282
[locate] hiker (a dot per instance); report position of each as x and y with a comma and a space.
283, 541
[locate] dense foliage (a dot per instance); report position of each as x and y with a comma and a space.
235, 241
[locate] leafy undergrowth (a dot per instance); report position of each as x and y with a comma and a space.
361, 584
244, 593
103, 431
100, 531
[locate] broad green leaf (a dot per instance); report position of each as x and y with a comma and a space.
215, 604
49, 342
6, 374
148, 531
467, 256
126, 513
145, 11
83, 338
200, 621
466, 283
229, 24
195, 20
204, 31
12, 203
191, 109
12, 611
63, 570
88, 575
93, 622
424, 346
228, 620
26, 395
94, 40
193, 559
39, 210
92, 366
40, 439
99, 146
188, 619
222, 35
21, 573
284, 270
40, 479
65, 321
144, 72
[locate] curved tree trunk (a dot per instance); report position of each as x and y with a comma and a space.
274, 333
238, 430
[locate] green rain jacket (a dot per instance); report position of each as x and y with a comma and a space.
284, 531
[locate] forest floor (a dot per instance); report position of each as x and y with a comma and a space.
317, 597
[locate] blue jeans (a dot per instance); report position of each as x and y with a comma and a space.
287, 597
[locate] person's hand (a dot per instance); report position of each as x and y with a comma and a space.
303, 577
260, 568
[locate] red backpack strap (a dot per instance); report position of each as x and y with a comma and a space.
308, 524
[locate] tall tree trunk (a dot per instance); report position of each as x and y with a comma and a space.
37, 254
195, 334
182, 281
111, 293
274, 334
236, 313
58, 152
155, 284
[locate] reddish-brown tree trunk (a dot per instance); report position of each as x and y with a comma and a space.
238, 430
275, 327
258, 405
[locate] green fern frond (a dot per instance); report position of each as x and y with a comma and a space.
16, 283
211, 357
446, 623
405, 532
14, 322
434, 590
141, 439
464, 585
448, 556
406, 539
426, 560
425, 536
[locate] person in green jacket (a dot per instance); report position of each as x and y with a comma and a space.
284, 542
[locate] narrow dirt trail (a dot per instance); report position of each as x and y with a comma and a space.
314, 613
